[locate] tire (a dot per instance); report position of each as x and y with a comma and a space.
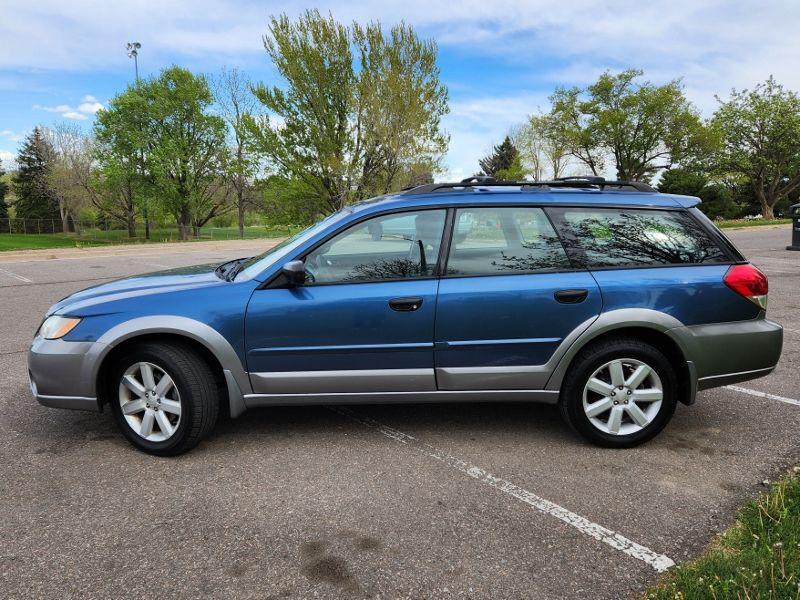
189, 404
596, 409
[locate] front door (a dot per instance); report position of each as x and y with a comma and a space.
509, 299
364, 320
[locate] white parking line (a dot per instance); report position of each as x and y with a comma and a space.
758, 394
659, 562
15, 276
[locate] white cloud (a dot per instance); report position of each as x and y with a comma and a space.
9, 160
90, 108
84, 110
712, 44
11, 136
476, 124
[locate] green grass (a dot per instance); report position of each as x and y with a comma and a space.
759, 557
21, 241
97, 237
170, 234
751, 222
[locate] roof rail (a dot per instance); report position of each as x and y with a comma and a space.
582, 182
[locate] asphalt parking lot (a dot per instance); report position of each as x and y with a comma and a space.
414, 501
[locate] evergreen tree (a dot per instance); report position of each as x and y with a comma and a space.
3, 190
682, 181
35, 197
503, 159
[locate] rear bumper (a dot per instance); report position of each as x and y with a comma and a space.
725, 353
60, 374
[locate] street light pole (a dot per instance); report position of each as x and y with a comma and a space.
133, 52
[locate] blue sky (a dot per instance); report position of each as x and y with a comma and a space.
62, 61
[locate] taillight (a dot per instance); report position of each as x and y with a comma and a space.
749, 282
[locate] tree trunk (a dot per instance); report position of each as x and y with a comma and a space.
184, 223
65, 221
766, 205
240, 201
130, 221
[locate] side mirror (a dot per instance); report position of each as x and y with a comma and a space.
295, 272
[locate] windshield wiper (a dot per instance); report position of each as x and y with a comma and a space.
234, 270
220, 270
225, 270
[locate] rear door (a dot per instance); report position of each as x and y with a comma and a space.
508, 299
658, 259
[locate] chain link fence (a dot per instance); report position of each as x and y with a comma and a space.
101, 231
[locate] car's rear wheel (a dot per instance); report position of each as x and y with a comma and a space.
619, 393
164, 397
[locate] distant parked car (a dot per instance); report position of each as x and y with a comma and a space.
607, 298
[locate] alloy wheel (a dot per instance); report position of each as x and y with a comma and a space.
623, 396
150, 401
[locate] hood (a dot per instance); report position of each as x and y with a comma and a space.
138, 285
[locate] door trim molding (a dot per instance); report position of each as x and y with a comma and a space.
510, 377
341, 348
346, 381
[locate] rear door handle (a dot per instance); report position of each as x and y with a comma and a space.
571, 296
405, 304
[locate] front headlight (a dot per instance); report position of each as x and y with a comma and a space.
56, 327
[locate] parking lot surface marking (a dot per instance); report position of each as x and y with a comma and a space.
758, 394
659, 562
15, 276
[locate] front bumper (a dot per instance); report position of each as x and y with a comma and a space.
62, 373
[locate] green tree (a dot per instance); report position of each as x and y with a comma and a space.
717, 199
543, 150
682, 181
35, 197
504, 162
760, 129
237, 104
120, 185
641, 126
358, 108
3, 190
166, 124
718, 202
69, 171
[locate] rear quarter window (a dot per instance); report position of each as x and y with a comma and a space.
607, 237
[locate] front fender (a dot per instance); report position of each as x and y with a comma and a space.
195, 330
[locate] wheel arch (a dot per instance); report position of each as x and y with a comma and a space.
652, 327
208, 342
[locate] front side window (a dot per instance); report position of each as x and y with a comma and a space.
503, 241
606, 237
389, 247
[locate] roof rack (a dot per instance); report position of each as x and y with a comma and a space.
582, 182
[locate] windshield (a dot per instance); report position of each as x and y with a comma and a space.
253, 266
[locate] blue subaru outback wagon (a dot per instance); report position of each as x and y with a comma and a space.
607, 298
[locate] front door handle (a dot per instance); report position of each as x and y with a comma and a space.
571, 296
405, 304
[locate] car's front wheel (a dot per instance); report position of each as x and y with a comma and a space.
164, 397
619, 393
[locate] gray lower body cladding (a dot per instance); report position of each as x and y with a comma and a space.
724, 353
63, 374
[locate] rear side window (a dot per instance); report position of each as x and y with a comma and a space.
605, 237
502, 241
